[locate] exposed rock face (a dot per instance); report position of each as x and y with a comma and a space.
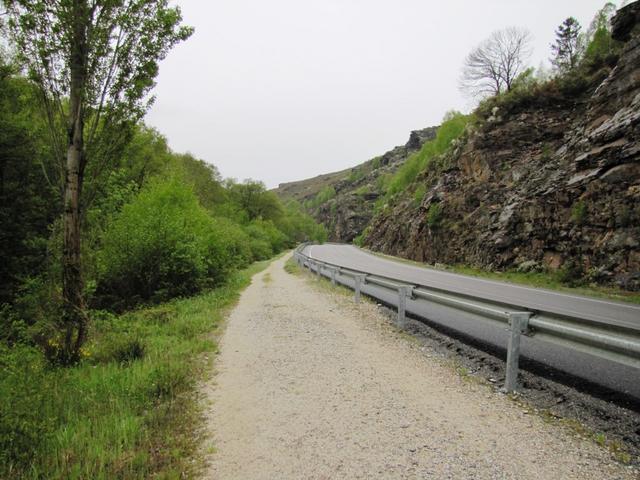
555, 185
357, 189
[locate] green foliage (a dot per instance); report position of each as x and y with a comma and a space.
452, 127
253, 201
28, 202
579, 212
356, 175
164, 244
127, 410
572, 273
382, 182
24, 427
266, 238
363, 190
299, 226
434, 215
207, 184
601, 48
322, 197
119, 347
360, 239
419, 194
567, 47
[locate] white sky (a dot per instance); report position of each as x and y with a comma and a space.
283, 90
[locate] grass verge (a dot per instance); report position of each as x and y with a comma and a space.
547, 280
129, 410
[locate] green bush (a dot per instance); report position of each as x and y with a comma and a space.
266, 233
163, 244
299, 227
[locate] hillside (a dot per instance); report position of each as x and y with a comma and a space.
543, 178
345, 201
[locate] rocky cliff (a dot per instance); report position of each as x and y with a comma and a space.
344, 201
545, 181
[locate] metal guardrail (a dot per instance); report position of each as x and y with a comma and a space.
617, 343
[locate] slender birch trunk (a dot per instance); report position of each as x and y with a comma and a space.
72, 282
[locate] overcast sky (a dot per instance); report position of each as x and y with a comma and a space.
283, 90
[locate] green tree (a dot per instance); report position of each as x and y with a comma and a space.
600, 45
205, 179
567, 48
27, 203
255, 200
95, 62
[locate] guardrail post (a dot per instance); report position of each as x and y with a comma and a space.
360, 279
519, 323
319, 270
403, 293
334, 271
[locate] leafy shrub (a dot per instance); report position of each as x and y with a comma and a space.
260, 249
299, 227
266, 232
164, 244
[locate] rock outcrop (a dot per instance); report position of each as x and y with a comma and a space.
549, 184
351, 209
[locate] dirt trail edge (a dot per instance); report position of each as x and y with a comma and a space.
310, 386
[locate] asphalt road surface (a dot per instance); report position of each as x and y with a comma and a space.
609, 374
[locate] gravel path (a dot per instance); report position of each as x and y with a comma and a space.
310, 386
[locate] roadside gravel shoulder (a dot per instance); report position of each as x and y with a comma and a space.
310, 385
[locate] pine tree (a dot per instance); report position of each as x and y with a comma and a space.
567, 49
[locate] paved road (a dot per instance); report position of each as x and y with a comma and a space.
606, 373
309, 386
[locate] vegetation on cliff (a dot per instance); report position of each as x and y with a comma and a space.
531, 179
536, 182
106, 392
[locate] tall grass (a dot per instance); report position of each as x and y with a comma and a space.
452, 127
128, 410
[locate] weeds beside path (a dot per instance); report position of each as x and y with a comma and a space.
311, 386
129, 410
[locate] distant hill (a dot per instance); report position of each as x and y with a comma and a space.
344, 201
543, 178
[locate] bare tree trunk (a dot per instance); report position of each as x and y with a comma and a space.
74, 315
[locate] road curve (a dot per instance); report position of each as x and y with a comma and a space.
310, 386
605, 311
596, 370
